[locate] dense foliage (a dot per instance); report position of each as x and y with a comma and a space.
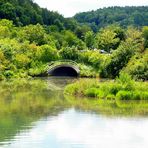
31, 37
25, 12
27, 51
125, 16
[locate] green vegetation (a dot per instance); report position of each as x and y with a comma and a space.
25, 12
109, 43
23, 102
123, 88
27, 51
31, 38
125, 16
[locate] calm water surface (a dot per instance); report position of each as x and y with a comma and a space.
36, 114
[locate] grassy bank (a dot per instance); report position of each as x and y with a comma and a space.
122, 88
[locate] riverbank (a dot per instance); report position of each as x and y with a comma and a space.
122, 88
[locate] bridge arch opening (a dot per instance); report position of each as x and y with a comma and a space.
64, 71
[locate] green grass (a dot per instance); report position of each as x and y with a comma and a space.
123, 88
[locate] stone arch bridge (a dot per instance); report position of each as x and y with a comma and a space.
64, 68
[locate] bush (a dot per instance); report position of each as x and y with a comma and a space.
126, 81
135, 95
101, 94
138, 66
87, 71
114, 88
144, 95
96, 59
2, 77
8, 74
119, 89
92, 92
22, 61
70, 53
124, 95
48, 53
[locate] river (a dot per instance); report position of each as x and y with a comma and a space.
36, 114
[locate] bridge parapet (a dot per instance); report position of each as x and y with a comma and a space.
59, 62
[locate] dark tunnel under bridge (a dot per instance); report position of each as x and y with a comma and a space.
64, 70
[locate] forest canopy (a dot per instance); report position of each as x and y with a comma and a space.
124, 16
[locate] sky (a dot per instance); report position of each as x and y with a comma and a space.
69, 8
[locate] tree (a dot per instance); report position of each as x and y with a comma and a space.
81, 31
33, 33
119, 59
145, 35
22, 61
7, 11
106, 39
48, 53
69, 53
90, 39
124, 16
135, 36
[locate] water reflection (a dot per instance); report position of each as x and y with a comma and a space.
25, 101
34, 113
74, 129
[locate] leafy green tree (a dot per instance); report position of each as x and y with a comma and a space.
145, 35
137, 67
7, 11
119, 59
70, 24
90, 39
124, 16
80, 31
96, 59
4, 32
7, 23
70, 39
106, 39
135, 36
34, 34
22, 61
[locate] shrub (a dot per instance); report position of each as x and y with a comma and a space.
126, 81
21, 61
110, 97
48, 53
138, 66
69, 53
114, 88
91, 92
2, 77
136, 95
124, 95
101, 94
144, 96
95, 59
87, 71
8, 74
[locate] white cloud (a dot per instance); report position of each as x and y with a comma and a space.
70, 7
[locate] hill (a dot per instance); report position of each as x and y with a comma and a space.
25, 12
124, 16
